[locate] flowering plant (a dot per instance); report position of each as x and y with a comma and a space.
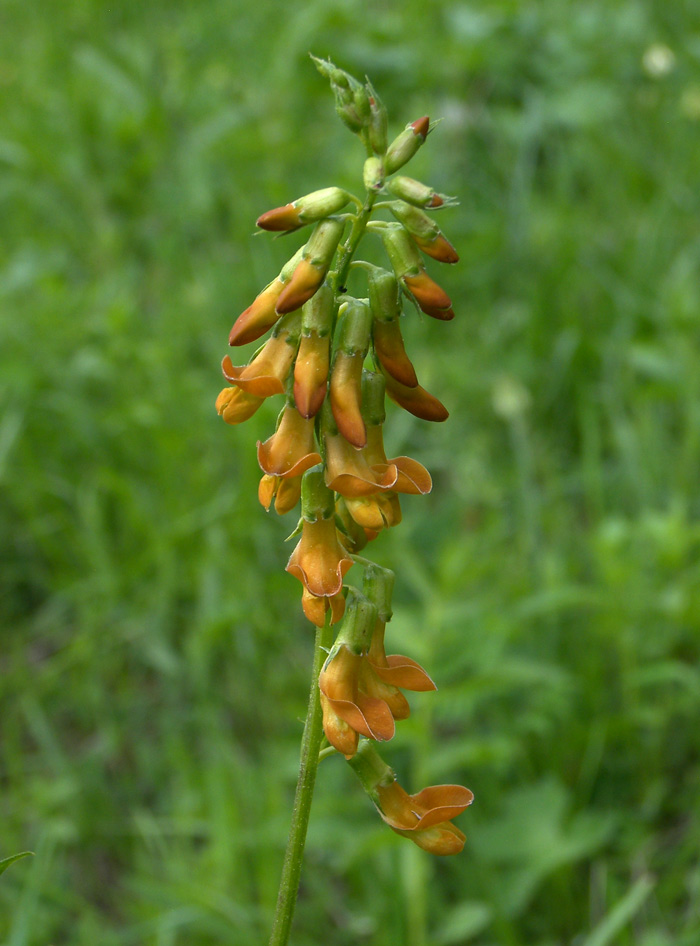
334, 357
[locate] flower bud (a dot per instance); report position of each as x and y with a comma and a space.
351, 99
384, 299
424, 231
346, 373
308, 209
418, 194
236, 405
312, 268
416, 400
259, 317
377, 121
373, 174
311, 366
408, 266
405, 145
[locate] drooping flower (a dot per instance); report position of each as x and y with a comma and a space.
284, 492
359, 684
424, 818
291, 450
407, 264
416, 400
424, 231
385, 302
319, 560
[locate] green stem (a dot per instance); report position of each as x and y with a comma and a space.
310, 744
356, 233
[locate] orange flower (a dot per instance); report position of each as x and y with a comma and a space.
350, 473
359, 684
346, 373
291, 450
426, 817
305, 210
236, 405
315, 608
267, 373
319, 561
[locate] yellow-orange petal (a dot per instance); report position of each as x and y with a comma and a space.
236, 406
431, 298
405, 673
259, 317
346, 397
390, 350
442, 840
305, 280
439, 248
280, 219
315, 608
311, 374
319, 561
290, 451
340, 735
413, 478
416, 401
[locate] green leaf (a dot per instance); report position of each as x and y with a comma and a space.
4, 864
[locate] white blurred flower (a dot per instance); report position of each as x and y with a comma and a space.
658, 60
509, 397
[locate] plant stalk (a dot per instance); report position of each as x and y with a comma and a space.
310, 744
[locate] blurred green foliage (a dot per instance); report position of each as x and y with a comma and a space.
154, 658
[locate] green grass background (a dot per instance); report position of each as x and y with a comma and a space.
153, 657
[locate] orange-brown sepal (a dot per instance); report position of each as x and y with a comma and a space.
431, 298
291, 450
390, 350
416, 401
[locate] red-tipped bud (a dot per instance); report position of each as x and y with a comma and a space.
311, 366
346, 374
431, 298
425, 232
418, 194
405, 145
389, 349
259, 317
308, 209
416, 401
313, 266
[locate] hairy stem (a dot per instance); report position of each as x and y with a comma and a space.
310, 744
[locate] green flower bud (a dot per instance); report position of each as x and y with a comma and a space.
373, 174
403, 147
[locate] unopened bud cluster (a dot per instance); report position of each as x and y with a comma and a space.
334, 358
